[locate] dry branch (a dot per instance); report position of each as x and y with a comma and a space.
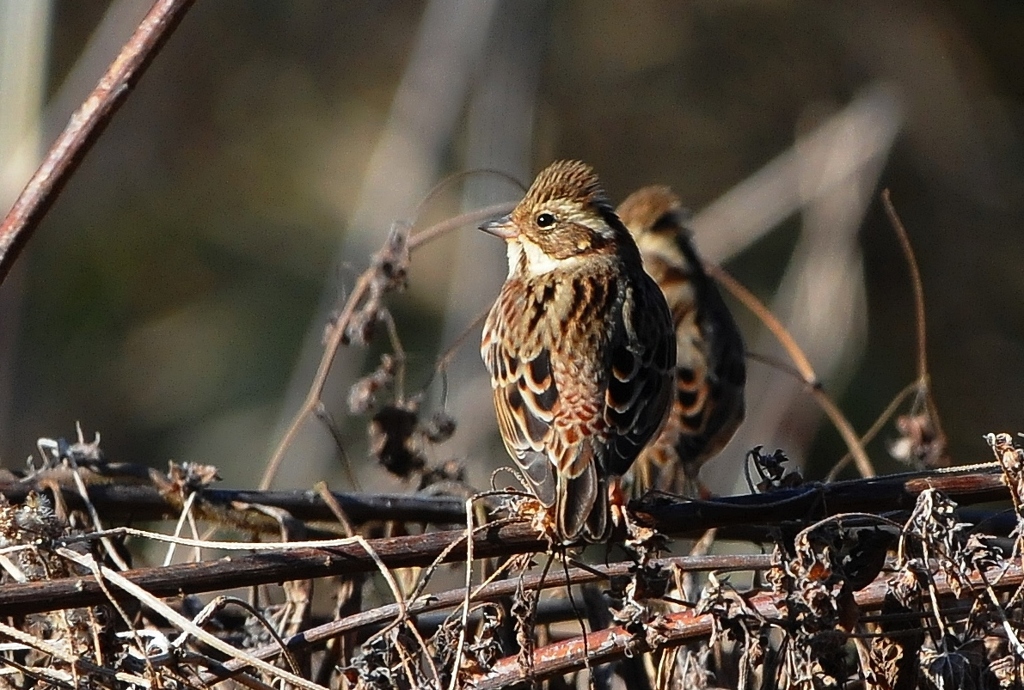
679, 628
802, 364
85, 126
939, 456
971, 485
122, 501
966, 485
266, 568
494, 592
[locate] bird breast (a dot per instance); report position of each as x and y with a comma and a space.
569, 315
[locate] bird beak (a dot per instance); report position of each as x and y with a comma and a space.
500, 227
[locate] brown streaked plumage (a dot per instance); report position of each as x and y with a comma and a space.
579, 345
710, 368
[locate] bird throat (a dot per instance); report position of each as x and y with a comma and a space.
535, 261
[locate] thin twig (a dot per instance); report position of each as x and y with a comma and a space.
97, 525
84, 128
309, 405
915, 281
60, 652
327, 419
449, 180
873, 430
469, 584
223, 602
460, 221
802, 364
672, 630
327, 497
923, 378
446, 357
496, 591
181, 621
179, 525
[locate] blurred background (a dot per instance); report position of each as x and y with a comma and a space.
175, 297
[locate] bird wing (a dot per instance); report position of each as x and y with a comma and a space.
711, 371
525, 397
727, 374
641, 381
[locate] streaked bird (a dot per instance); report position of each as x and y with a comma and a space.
580, 348
710, 368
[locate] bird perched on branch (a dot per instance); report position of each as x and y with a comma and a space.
710, 367
580, 348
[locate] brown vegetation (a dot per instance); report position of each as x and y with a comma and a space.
875, 582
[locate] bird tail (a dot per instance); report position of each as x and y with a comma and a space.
582, 501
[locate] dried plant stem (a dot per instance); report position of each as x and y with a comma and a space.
846, 430
309, 405
117, 494
84, 128
58, 652
181, 621
222, 602
460, 649
336, 334
802, 364
179, 525
476, 217
83, 492
679, 628
923, 378
915, 281
976, 484
446, 357
327, 497
876, 426
496, 591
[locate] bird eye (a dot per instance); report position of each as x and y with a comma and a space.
545, 220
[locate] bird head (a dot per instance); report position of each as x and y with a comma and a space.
564, 217
656, 218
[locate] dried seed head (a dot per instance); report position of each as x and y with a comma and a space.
440, 428
363, 394
189, 477
393, 440
770, 468
36, 519
918, 443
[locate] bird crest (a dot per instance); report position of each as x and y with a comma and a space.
567, 180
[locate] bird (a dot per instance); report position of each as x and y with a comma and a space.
710, 367
580, 349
